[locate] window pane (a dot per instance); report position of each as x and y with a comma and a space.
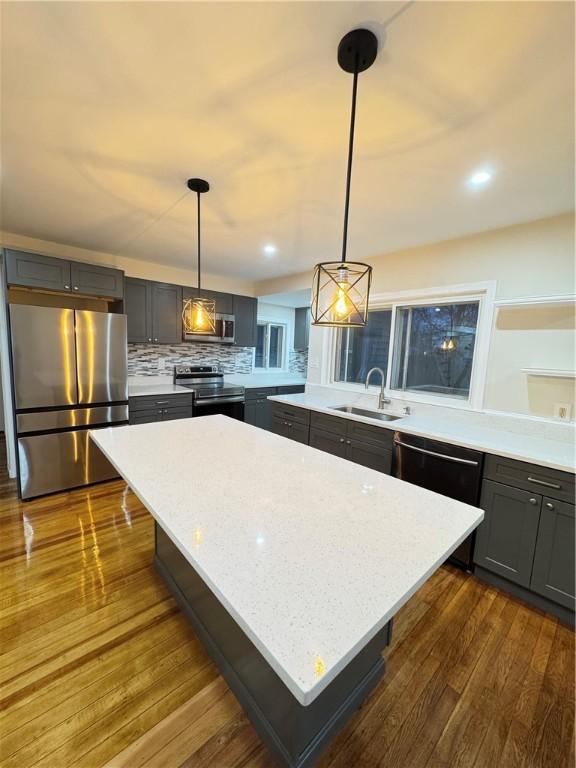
260, 340
434, 348
275, 352
364, 348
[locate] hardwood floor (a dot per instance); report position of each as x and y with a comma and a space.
98, 667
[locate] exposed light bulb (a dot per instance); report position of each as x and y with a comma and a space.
199, 318
448, 344
343, 307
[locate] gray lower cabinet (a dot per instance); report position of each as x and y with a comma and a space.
291, 421
526, 542
245, 321
353, 440
506, 539
257, 407
146, 409
554, 568
154, 311
34, 270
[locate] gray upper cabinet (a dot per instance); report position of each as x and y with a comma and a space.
154, 312
138, 309
36, 271
166, 313
301, 328
245, 313
553, 572
506, 538
95, 280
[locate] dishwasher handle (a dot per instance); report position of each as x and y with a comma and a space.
455, 459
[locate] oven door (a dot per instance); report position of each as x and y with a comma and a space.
209, 406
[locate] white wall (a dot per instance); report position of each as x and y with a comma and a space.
146, 270
532, 259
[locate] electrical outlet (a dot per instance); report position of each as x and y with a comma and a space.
562, 411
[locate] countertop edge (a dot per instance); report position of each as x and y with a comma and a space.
400, 424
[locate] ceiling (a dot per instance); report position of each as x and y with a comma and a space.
109, 107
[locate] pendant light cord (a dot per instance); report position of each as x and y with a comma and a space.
198, 217
350, 152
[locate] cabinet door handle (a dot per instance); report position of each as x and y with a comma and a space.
67, 287
348, 442
549, 505
75, 287
149, 339
155, 339
543, 482
533, 501
341, 439
162, 402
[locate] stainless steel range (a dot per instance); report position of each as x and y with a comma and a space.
211, 394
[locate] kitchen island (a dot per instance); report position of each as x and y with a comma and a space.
290, 563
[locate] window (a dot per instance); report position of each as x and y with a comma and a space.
270, 345
434, 348
360, 349
422, 348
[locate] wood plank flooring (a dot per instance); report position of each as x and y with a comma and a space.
99, 668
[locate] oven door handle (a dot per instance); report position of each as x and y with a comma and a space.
215, 400
455, 459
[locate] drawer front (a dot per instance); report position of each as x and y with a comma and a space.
259, 393
291, 389
160, 401
291, 413
329, 423
290, 429
530, 477
378, 436
168, 414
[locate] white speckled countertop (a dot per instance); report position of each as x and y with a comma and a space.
514, 445
311, 554
136, 389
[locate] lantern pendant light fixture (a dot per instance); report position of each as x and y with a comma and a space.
341, 289
449, 343
199, 314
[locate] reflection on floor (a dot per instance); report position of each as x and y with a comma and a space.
98, 667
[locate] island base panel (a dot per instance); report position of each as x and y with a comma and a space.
296, 735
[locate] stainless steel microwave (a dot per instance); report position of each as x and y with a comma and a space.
224, 333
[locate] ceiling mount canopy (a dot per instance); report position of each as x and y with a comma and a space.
199, 314
341, 289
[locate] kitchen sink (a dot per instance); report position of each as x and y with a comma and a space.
377, 415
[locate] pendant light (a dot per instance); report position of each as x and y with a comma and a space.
199, 314
449, 343
341, 289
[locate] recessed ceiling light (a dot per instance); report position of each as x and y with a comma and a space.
479, 178
270, 249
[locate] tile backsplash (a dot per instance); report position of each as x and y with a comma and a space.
160, 359
298, 362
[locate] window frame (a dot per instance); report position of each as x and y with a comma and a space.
284, 346
484, 293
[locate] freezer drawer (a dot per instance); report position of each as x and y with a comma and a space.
59, 461
44, 421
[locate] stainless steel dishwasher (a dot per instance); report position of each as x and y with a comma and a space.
444, 468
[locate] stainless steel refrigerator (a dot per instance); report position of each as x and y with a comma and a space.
69, 373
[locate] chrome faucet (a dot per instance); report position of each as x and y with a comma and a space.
382, 401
